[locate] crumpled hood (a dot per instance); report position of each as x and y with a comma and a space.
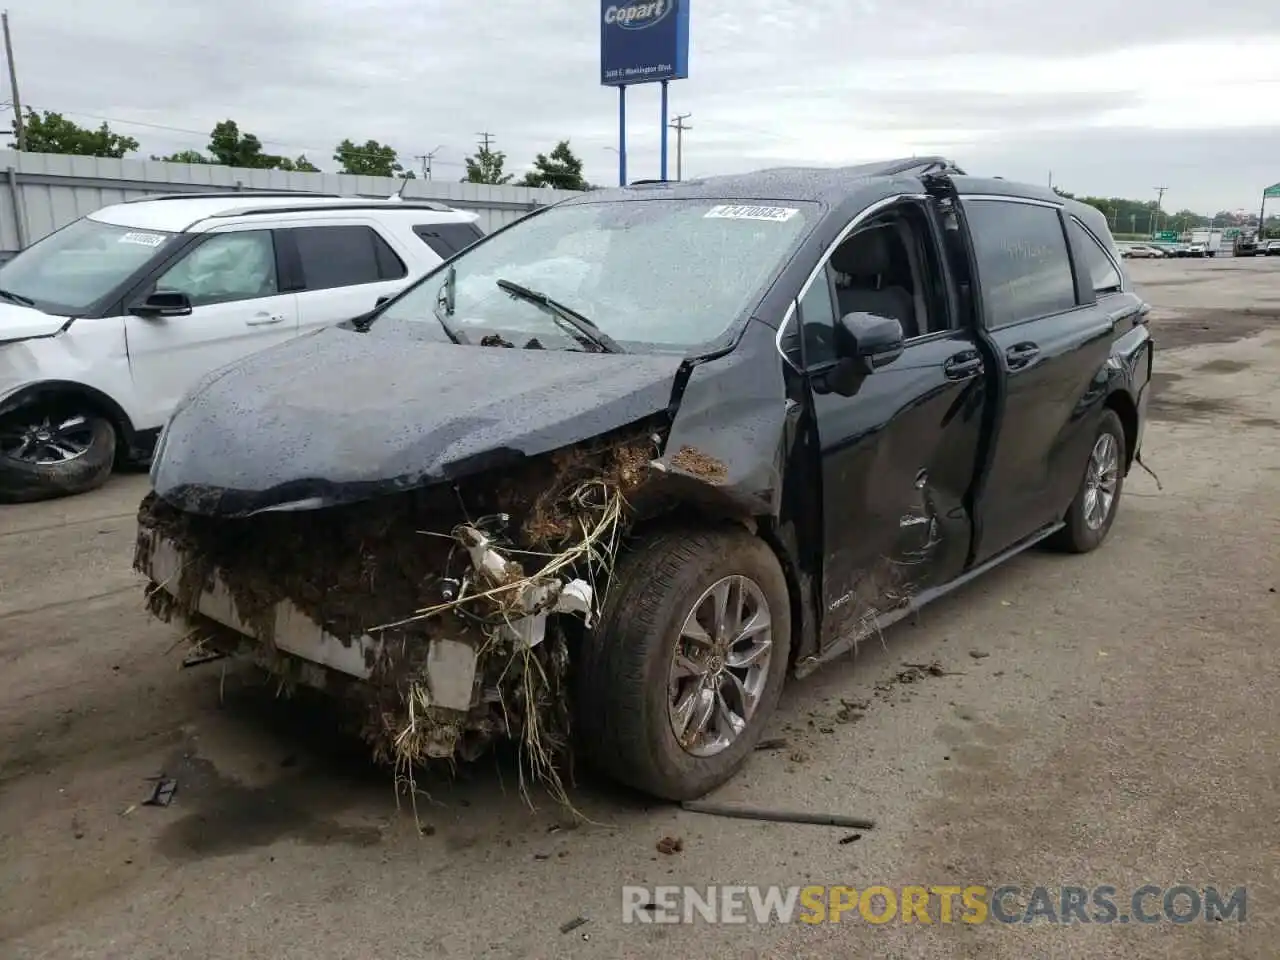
340, 416
23, 323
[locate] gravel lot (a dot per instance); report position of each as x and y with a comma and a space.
1102, 720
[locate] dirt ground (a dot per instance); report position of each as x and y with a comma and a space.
1106, 719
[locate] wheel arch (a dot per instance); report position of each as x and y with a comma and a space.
55, 391
714, 513
1124, 407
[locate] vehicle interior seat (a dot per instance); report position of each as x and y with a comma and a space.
865, 279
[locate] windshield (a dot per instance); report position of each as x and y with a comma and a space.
650, 274
72, 269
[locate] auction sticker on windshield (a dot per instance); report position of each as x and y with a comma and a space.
146, 239
732, 211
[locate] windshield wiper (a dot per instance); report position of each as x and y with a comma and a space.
17, 298
584, 331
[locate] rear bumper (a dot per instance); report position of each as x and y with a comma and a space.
451, 665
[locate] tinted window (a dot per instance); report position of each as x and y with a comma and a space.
446, 239
1023, 265
225, 267
1102, 272
344, 256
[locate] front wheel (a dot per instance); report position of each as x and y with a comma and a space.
45, 455
680, 677
1093, 510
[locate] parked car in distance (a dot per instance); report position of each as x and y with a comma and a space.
857, 389
1198, 250
1273, 248
107, 322
1141, 251
1244, 246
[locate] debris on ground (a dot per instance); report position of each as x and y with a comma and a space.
199, 657
979, 654
772, 743
162, 793
778, 816
571, 925
850, 838
670, 845
798, 756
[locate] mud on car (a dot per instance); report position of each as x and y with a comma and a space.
606, 478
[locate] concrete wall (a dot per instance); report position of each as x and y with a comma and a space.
40, 192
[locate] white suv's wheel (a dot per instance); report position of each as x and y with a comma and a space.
45, 454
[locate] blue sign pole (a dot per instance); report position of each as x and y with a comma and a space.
622, 135
663, 120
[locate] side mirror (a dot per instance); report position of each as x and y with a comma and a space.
870, 341
163, 303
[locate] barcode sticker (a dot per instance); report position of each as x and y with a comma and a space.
146, 239
736, 211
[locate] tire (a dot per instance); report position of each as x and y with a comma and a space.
624, 725
1079, 536
25, 481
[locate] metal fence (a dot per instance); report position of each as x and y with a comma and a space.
40, 192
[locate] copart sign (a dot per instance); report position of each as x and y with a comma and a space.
643, 41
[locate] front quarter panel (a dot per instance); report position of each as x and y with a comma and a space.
91, 352
729, 427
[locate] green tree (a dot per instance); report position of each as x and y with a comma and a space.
229, 147
562, 170
183, 156
486, 167
372, 159
300, 165
53, 133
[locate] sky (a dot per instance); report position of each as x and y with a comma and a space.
1096, 96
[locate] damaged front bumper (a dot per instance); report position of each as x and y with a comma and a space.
448, 678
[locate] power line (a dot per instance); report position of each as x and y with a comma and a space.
206, 134
485, 138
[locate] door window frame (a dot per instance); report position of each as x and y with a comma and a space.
795, 310
148, 285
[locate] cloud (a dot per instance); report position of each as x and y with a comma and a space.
1080, 88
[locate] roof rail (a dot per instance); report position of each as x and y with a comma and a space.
353, 203
641, 183
216, 194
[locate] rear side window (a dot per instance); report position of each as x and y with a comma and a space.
1023, 264
345, 256
446, 239
1102, 272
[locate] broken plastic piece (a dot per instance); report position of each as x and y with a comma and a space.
162, 794
577, 597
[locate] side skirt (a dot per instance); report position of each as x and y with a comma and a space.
920, 600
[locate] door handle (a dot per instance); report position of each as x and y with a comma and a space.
1021, 354
262, 319
962, 366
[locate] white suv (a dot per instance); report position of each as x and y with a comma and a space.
106, 323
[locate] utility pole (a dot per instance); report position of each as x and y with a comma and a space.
678, 125
18, 125
426, 159
1159, 201
485, 138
